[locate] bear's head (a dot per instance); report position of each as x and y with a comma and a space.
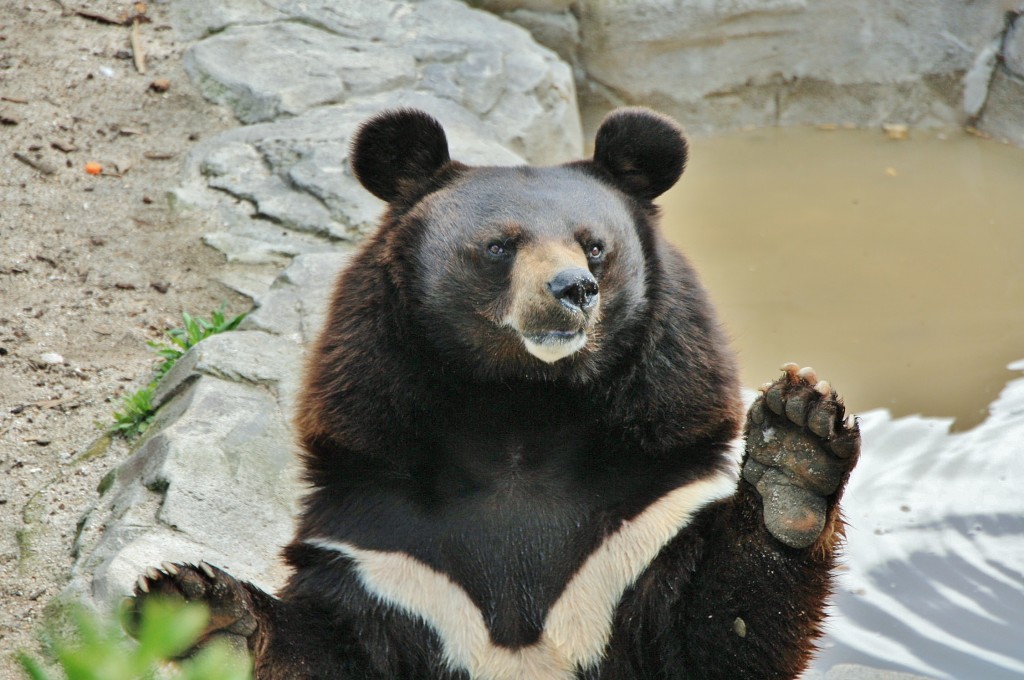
521, 272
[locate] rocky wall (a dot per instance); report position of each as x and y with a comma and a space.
725, 65
1002, 112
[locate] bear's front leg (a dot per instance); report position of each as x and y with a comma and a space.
763, 573
286, 639
800, 452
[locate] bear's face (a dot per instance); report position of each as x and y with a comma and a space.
520, 265
521, 271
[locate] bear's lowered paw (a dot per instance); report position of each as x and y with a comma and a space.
800, 451
231, 608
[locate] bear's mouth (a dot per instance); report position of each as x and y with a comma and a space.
550, 346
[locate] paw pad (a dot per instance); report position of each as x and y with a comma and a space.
799, 450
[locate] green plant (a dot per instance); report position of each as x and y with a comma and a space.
166, 629
136, 413
195, 330
137, 410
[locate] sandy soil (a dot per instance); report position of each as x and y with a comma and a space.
91, 267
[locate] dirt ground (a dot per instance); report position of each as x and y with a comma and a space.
91, 267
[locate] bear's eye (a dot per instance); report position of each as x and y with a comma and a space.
595, 251
499, 249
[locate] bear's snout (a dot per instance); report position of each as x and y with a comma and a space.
576, 288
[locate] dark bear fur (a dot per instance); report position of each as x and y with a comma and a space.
519, 385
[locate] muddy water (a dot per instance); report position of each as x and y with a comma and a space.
896, 268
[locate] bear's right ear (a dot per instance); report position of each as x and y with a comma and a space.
395, 153
644, 152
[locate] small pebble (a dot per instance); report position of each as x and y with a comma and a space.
896, 130
51, 359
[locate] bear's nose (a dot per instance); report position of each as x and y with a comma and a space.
576, 288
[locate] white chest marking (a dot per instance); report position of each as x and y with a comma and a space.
577, 627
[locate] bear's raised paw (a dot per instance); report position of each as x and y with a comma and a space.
231, 607
800, 451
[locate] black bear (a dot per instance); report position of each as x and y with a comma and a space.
519, 426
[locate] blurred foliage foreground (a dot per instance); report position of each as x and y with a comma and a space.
166, 629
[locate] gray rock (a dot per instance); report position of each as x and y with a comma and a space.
241, 170
535, 114
933, 102
252, 357
238, 437
296, 304
547, 6
247, 250
978, 79
194, 20
723, 65
259, 240
523, 94
1003, 116
1013, 46
308, 73
50, 359
314, 277
250, 281
266, 71
215, 480
559, 32
216, 477
295, 173
552, 23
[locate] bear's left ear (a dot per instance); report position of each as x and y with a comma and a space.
395, 153
645, 152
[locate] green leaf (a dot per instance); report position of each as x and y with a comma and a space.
100, 662
194, 332
169, 628
98, 649
137, 410
98, 653
87, 627
233, 324
32, 667
136, 413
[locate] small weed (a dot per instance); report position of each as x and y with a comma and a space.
136, 413
195, 330
137, 410
98, 650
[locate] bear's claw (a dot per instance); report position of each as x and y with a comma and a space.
230, 605
799, 450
